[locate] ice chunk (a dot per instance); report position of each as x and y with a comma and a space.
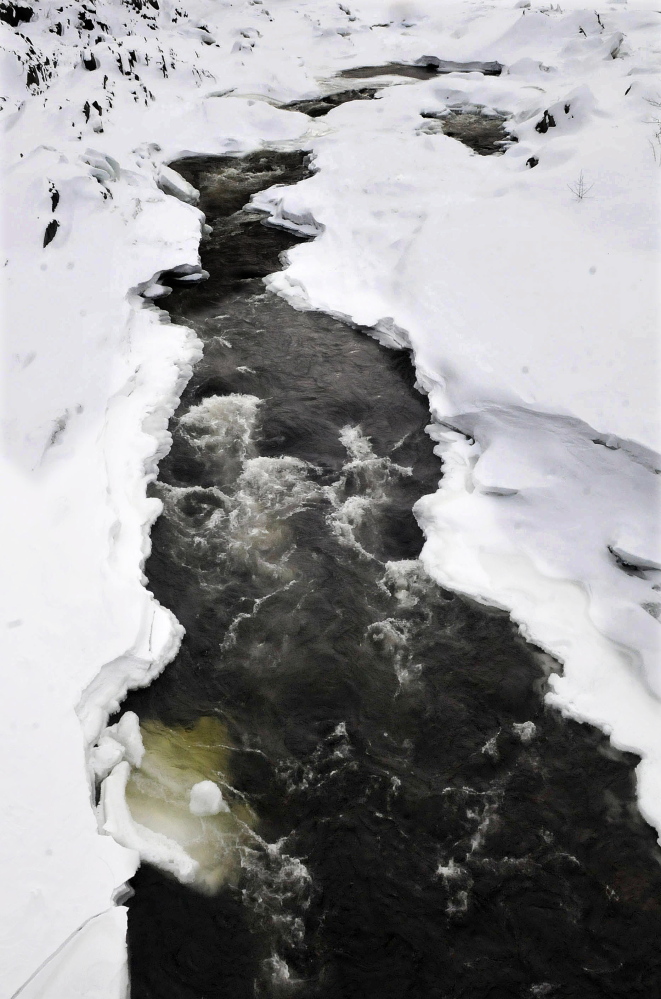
170, 182
639, 544
156, 290
127, 733
206, 798
105, 756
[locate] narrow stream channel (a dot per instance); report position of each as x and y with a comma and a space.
401, 816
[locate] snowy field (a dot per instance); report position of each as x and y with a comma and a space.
524, 284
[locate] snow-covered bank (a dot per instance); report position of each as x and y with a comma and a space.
497, 272
93, 373
526, 287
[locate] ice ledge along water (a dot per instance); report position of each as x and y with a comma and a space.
549, 506
97, 379
96, 374
469, 548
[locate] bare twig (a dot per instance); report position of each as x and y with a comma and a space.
656, 141
580, 189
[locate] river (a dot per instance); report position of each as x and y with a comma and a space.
402, 816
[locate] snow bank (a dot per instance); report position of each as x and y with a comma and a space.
91, 216
528, 308
92, 379
525, 286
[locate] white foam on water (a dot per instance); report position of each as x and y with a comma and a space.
392, 635
221, 429
244, 517
364, 478
526, 731
269, 491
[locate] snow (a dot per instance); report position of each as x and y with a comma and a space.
92, 965
530, 310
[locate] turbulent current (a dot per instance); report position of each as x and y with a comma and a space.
360, 763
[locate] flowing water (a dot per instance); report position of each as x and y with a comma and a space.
318, 106
425, 69
397, 814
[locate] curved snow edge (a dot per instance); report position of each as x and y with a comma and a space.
598, 621
135, 437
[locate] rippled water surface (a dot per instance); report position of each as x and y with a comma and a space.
403, 817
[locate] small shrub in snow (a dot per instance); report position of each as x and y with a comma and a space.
580, 189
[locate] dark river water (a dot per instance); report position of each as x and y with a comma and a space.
417, 823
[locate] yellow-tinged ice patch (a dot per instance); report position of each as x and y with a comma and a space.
158, 794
